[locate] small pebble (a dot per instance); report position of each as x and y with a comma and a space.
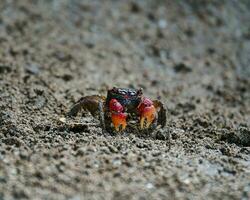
162, 23
149, 186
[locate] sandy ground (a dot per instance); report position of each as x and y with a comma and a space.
194, 56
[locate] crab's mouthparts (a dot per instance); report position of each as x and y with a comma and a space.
119, 121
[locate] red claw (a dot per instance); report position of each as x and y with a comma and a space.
147, 112
117, 116
119, 121
115, 106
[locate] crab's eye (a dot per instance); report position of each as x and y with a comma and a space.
132, 93
122, 92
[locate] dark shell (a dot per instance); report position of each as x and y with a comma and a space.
129, 98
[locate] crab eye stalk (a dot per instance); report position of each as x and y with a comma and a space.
147, 113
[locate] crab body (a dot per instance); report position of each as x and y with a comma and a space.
128, 98
120, 106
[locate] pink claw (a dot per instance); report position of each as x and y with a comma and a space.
117, 116
147, 112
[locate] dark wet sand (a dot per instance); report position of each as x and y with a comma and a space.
195, 56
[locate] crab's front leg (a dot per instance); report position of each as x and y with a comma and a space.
118, 116
161, 113
93, 104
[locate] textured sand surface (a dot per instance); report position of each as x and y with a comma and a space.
195, 56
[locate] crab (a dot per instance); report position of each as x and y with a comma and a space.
121, 107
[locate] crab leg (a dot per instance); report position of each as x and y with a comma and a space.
89, 103
93, 104
161, 113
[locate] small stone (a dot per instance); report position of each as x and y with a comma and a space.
162, 23
91, 149
149, 186
3, 180
76, 197
112, 149
135, 8
33, 69
162, 134
4, 68
24, 155
62, 56
117, 174
117, 162
96, 165
156, 153
105, 150
20, 193
182, 68
186, 181
62, 119
90, 44
80, 152
67, 77
79, 128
